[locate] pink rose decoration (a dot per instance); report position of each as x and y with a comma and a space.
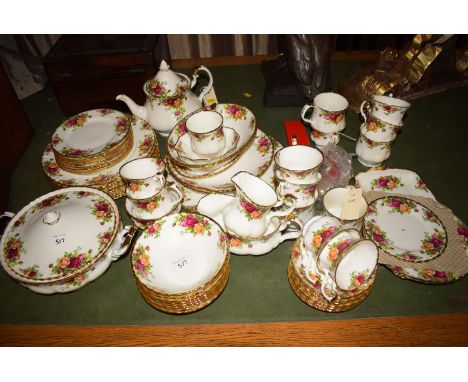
383, 182
395, 202
249, 207
436, 241
344, 245
378, 238
233, 109
75, 262
440, 275
140, 267
327, 233
13, 253
102, 207
462, 231
189, 221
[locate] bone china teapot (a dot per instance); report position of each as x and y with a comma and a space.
168, 98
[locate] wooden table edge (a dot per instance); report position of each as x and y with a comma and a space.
434, 330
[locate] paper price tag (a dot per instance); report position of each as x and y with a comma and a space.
210, 97
350, 208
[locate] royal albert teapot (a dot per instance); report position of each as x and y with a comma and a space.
168, 98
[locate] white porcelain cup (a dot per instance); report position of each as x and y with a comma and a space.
298, 164
157, 206
378, 130
387, 109
305, 194
333, 204
352, 267
205, 128
329, 114
372, 153
143, 177
323, 139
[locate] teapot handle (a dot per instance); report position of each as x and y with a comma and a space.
195, 76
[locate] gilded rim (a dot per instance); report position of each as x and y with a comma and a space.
140, 159
364, 231
331, 111
70, 276
276, 155
337, 217
393, 127
220, 126
255, 176
373, 100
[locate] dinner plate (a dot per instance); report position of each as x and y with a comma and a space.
192, 197
236, 117
255, 160
90, 133
405, 229
184, 147
143, 145
395, 181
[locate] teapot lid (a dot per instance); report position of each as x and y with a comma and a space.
167, 83
59, 235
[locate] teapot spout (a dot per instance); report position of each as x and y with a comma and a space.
137, 110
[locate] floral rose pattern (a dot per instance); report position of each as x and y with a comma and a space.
13, 250
82, 194
389, 109
137, 185
237, 242
194, 224
31, 272
71, 261
176, 104
157, 88
263, 145
19, 222
374, 124
149, 206
400, 205
104, 238
49, 202
433, 244
332, 116
104, 112
145, 144
436, 276
250, 210
378, 236
141, 261
386, 183
235, 112
102, 210
322, 235
357, 279
421, 185
306, 189
122, 125
154, 230
222, 240
75, 152
76, 121
462, 231
56, 139
337, 248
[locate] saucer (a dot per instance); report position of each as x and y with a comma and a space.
141, 214
184, 149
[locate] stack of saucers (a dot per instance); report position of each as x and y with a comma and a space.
89, 148
208, 147
332, 269
383, 118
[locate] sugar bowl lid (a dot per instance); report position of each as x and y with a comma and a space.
58, 235
167, 83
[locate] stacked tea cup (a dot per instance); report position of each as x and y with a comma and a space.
383, 118
148, 196
297, 171
328, 118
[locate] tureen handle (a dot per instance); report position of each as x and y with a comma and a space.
124, 238
8, 215
195, 76
364, 104
304, 111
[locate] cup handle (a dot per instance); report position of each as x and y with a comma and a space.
160, 179
178, 192
195, 76
124, 238
328, 287
6, 214
365, 105
304, 111
286, 212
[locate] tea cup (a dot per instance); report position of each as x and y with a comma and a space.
378, 130
305, 194
298, 164
156, 206
143, 177
370, 152
205, 128
333, 204
322, 139
329, 114
387, 109
351, 270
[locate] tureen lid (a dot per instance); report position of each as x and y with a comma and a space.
167, 83
59, 234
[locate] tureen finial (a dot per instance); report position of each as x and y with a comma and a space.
51, 217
